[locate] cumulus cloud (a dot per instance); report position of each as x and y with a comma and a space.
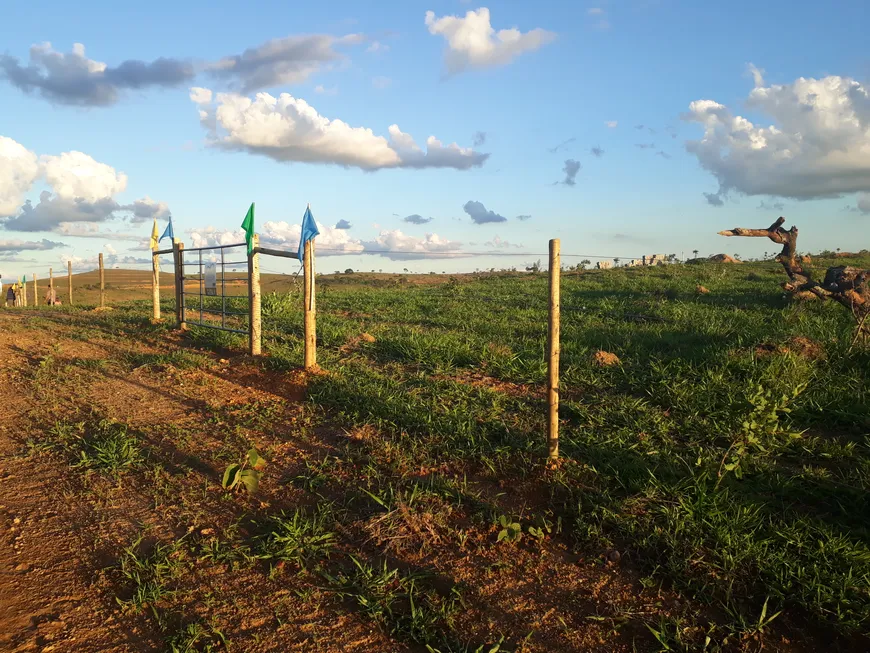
818, 144
596, 152
479, 214
864, 203
612, 124
84, 191
343, 224
18, 246
77, 175
397, 246
416, 219
289, 129
571, 168
20, 170
524, 217
332, 241
73, 78
278, 62
473, 43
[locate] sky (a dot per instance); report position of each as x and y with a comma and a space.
430, 136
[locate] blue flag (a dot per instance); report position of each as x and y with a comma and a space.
309, 231
168, 232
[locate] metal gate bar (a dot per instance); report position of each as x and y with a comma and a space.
202, 292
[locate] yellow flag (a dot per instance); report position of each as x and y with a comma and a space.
154, 235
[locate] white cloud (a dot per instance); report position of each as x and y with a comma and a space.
381, 82
76, 175
864, 203
108, 248
335, 241
289, 129
818, 146
595, 11
324, 90
84, 191
20, 169
395, 245
612, 123
199, 95
473, 43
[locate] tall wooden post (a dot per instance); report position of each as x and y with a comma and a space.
102, 283
255, 334
155, 287
35, 290
179, 286
24, 293
69, 280
553, 347
309, 312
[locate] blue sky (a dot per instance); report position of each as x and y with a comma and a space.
632, 62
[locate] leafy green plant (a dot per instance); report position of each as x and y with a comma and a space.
510, 530
298, 537
246, 474
149, 575
760, 432
107, 446
198, 637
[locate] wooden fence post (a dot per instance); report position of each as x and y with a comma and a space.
254, 299
179, 286
50, 280
553, 347
309, 309
102, 282
69, 280
35, 291
24, 293
155, 287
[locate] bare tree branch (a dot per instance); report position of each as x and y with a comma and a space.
846, 285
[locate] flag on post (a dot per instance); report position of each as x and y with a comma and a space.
168, 232
154, 238
309, 231
248, 226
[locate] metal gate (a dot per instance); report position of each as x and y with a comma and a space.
215, 287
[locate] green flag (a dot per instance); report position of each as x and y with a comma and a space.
248, 226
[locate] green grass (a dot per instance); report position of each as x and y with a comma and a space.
453, 380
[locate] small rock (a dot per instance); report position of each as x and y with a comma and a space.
702, 290
614, 556
22, 567
367, 337
603, 358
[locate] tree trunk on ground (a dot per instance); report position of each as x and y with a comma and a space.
846, 285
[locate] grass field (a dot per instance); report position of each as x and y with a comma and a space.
712, 492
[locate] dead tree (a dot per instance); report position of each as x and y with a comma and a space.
846, 285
